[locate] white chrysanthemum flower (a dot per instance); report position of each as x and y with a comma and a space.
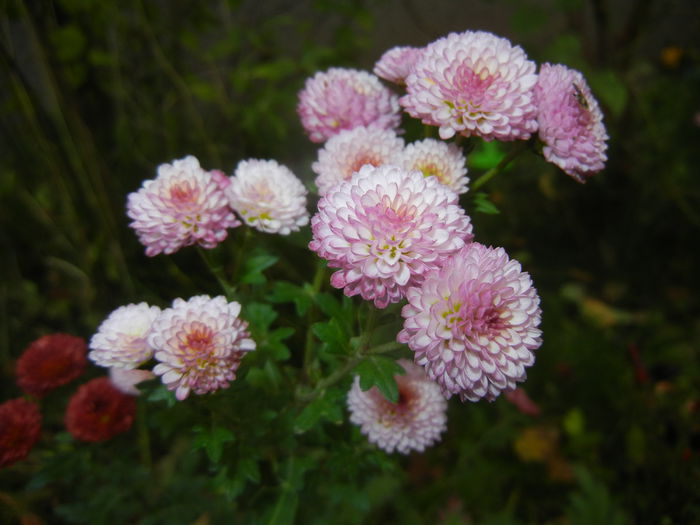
183, 205
415, 422
126, 380
346, 152
439, 159
268, 196
121, 339
200, 344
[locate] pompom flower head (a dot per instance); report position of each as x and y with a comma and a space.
183, 205
438, 159
20, 428
474, 323
49, 362
473, 83
345, 153
415, 422
570, 122
385, 229
98, 411
341, 98
268, 196
395, 65
200, 344
120, 340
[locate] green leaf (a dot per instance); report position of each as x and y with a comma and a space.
286, 292
254, 267
379, 371
593, 503
484, 205
161, 393
487, 155
260, 315
609, 88
327, 406
212, 441
332, 333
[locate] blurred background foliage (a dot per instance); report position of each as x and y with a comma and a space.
95, 94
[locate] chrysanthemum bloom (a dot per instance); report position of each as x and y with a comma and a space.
473, 83
182, 206
222, 180
385, 229
473, 324
439, 159
200, 344
268, 196
20, 427
125, 380
413, 423
395, 65
121, 338
98, 411
570, 122
349, 150
341, 98
49, 362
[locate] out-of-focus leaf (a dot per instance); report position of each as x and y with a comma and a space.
484, 205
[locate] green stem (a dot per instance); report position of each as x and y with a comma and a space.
144, 437
510, 156
218, 272
311, 317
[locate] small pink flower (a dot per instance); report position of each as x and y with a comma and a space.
385, 229
341, 98
395, 65
345, 153
473, 83
268, 196
438, 159
121, 338
200, 344
474, 323
570, 122
183, 205
415, 422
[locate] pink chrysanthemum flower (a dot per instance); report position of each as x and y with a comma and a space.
20, 429
473, 324
341, 98
570, 122
435, 158
200, 344
268, 196
473, 83
182, 206
121, 339
349, 150
413, 423
125, 380
395, 65
385, 229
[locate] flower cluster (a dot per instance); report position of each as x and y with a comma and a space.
414, 422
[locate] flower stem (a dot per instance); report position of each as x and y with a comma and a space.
507, 159
311, 316
218, 272
144, 438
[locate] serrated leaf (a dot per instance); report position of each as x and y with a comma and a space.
331, 332
286, 292
212, 441
326, 406
254, 267
482, 204
379, 371
260, 315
